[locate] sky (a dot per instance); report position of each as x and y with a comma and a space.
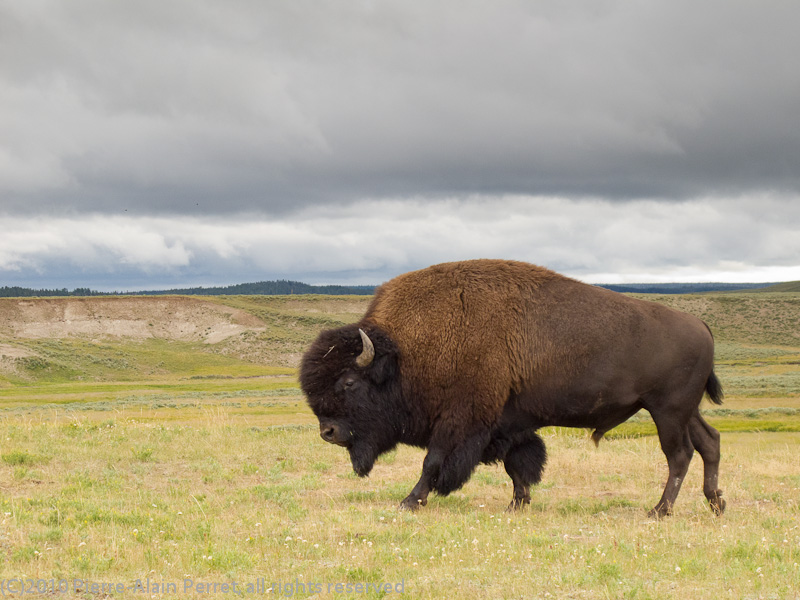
157, 144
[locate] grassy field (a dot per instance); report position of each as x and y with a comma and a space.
168, 467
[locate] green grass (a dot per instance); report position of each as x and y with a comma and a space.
75, 360
722, 424
19, 457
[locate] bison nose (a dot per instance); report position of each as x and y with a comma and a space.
329, 432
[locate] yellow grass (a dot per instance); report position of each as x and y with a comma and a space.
219, 500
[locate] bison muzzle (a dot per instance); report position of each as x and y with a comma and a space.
470, 359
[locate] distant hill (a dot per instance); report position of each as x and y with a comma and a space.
788, 286
287, 287
266, 288
269, 288
683, 288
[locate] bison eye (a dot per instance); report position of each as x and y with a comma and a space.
349, 383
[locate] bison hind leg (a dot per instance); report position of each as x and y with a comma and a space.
524, 463
705, 440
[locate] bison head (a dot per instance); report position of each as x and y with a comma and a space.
350, 378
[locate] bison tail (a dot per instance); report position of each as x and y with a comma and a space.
714, 389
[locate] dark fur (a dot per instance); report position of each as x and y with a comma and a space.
472, 358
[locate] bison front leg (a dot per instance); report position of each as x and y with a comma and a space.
446, 467
430, 471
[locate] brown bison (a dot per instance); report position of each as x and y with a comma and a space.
470, 359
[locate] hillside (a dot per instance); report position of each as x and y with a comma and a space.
288, 323
788, 286
123, 338
748, 318
113, 339
172, 318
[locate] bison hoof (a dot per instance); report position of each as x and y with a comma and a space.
717, 504
518, 504
412, 504
660, 511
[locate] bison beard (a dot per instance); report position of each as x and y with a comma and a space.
363, 457
470, 359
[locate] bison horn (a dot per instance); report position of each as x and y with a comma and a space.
368, 353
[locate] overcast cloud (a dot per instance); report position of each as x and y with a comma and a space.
188, 142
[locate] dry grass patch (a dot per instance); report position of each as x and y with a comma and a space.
217, 501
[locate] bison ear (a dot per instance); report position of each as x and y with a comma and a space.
383, 368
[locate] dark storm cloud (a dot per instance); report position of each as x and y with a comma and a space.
194, 107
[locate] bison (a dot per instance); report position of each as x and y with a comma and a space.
469, 359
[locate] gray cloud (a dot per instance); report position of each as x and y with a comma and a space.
197, 107
370, 241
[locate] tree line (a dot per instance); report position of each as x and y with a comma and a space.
266, 288
286, 287
21, 292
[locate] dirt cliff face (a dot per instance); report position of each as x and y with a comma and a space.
167, 317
